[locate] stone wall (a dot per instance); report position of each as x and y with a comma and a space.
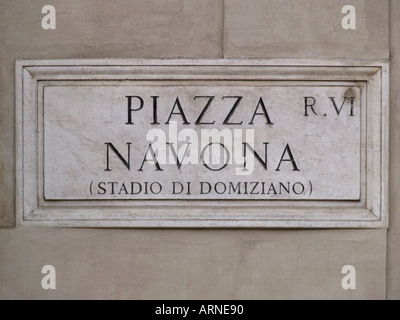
195, 264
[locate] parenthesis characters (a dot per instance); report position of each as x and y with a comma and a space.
90, 188
310, 188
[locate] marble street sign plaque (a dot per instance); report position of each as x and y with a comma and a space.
202, 143
305, 141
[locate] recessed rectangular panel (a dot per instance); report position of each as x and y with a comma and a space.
261, 141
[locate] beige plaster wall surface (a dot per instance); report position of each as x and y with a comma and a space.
393, 262
305, 28
192, 264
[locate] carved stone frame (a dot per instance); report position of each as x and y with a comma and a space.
371, 211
